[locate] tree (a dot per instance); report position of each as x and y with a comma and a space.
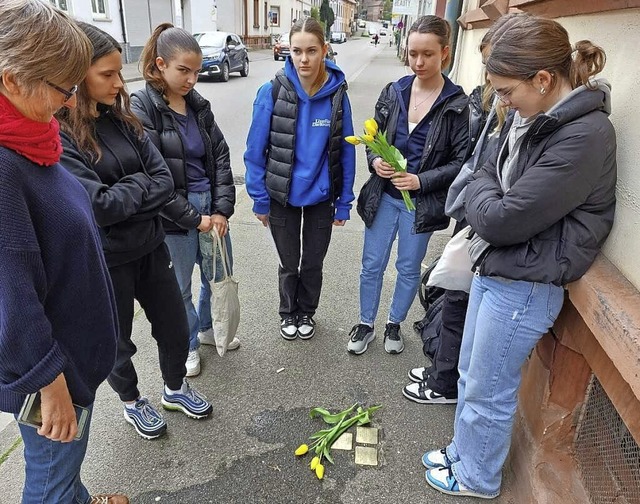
327, 15
387, 8
315, 13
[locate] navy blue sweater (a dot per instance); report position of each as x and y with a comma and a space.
57, 311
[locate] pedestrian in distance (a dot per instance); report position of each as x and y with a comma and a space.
129, 184
541, 212
58, 325
300, 170
438, 382
180, 123
425, 116
376, 38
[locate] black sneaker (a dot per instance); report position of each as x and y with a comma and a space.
306, 327
361, 336
289, 328
393, 343
421, 393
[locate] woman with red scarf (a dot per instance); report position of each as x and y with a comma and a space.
57, 311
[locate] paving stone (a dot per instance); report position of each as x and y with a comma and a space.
344, 442
366, 455
367, 435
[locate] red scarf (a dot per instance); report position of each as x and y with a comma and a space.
37, 141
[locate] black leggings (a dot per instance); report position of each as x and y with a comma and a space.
152, 281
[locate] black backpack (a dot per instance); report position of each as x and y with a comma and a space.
428, 295
429, 327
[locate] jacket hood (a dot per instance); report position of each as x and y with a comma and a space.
578, 103
336, 78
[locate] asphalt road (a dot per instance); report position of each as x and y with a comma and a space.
244, 452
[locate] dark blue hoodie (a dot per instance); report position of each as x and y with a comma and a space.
310, 174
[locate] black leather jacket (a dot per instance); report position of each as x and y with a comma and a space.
444, 152
159, 123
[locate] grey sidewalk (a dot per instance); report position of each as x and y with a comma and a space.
244, 453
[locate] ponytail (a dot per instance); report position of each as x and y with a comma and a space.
165, 42
589, 60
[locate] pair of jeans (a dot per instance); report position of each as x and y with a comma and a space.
52, 469
392, 220
505, 320
151, 280
300, 271
185, 254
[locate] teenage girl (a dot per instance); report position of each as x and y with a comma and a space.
300, 171
180, 123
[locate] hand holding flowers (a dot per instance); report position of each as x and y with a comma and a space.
391, 164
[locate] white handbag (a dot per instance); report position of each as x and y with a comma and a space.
453, 270
225, 304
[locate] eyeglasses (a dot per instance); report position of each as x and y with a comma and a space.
67, 94
504, 97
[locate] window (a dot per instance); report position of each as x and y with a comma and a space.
99, 8
256, 13
266, 15
275, 15
63, 5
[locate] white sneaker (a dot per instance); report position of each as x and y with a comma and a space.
207, 338
234, 344
193, 363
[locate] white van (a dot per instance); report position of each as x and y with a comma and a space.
362, 23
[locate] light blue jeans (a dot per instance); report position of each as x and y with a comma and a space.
53, 468
505, 319
185, 254
392, 219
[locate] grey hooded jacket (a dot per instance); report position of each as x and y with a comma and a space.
560, 207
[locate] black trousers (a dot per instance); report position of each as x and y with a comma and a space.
443, 372
300, 272
152, 281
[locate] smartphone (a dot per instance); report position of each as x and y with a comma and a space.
31, 414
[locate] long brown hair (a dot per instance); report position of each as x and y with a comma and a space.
311, 25
166, 41
533, 44
438, 27
79, 122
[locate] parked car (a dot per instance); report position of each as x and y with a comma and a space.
362, 23
282, 49
338, 37
222, 53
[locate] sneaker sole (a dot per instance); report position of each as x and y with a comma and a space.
141, 433
307, 336
465, 493
393, 351
366, 345
419, 400
288, 337
179, 407
193, 372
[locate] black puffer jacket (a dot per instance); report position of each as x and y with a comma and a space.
444, 152
179, 215
559, 209
128, 188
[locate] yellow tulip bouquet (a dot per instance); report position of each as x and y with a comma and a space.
323, 439
377, 141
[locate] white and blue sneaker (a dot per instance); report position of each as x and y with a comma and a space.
147, 420
191, 403
436, 459
443, 480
